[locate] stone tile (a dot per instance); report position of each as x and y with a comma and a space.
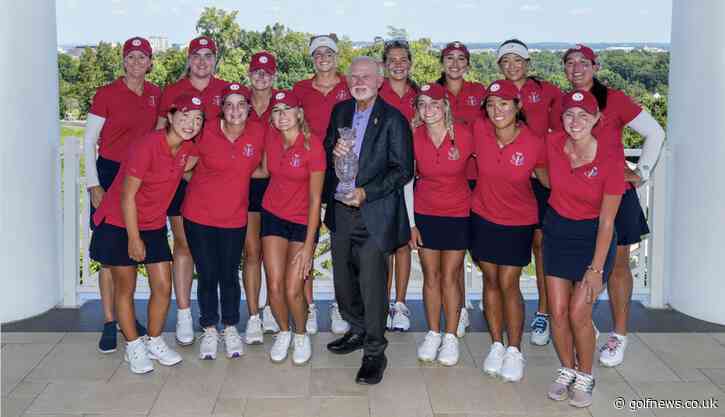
229, 407
700, 391
607, 397
321, 358
18, 360
76, 361
265, 379
47, 338
28, 389
187, 393
336, 382
94, 397
76, 415
684, 353
642, 364
531, 392
402, 393
306, 407
348, 407
720, 337
467, 390
14, 407
717, 376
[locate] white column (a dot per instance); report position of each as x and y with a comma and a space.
29, 221
695, 266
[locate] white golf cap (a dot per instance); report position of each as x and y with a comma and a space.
322, 40
512, 47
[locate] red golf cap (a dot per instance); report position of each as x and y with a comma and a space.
285, 97
582, 99
236, 88
456, 46
584, 50
263, 60
503, 88
432, 90
187, 102
137, 44
200, 43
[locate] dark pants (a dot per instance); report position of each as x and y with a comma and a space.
217, 253
360, 271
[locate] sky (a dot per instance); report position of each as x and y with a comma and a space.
91, 21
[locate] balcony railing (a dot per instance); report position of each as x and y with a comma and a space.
80, 278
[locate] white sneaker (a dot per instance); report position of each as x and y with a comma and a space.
448, 353
311, 325
339, 326
540, 330
301, 349
184, 327
253, 335
268, 322
401, 317
208, 344
428, 350
280, 347
463, 323
233, 342
481, 306
611, 354
137, 357
512, 369
494, 361
159, 351
581, 390
389, 319
559, 389
596, 332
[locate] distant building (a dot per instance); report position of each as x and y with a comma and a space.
159, 43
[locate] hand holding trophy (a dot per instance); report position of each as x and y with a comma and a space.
346, 166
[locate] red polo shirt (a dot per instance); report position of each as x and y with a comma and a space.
128, 116
466, 105
537, 99
288, 193
151, 161
218, 193
318, 107
404, 104
442, 189
211, 96
577, 193
503, 193
264, 118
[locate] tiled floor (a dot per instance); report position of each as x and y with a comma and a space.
62, 374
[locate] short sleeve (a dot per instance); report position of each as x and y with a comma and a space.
317, 161
167, 98
465, 140
541, 160
139, 158
627, 109
614, 184
479, 131
555, 114
100, 104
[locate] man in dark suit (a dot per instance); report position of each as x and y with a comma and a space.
371, 221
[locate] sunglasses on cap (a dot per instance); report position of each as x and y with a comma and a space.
331, 36
396, 42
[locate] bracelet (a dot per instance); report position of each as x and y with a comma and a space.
593, 269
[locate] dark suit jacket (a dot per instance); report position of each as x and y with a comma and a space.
386, 165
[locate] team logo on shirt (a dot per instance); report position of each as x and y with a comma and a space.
453, 154
296, 160
592, 173
534, 97
152, 101
472, 100
517, 159
341, 95
217, 100
248, 150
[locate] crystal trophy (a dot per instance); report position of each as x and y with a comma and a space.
346, 167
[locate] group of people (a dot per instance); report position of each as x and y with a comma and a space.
443, 168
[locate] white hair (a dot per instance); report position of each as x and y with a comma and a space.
368, 60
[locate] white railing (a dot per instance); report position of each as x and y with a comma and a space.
80, 283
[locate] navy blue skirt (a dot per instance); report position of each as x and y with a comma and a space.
107, 171
569, 247
277, 226
499, 244
109, 246
176, 202
444, 233
542, 195
257, 187
630, 222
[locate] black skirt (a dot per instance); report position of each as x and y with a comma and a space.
630, 222
276, 226
257, 187
500, 244
569, 247
444, 233
109, 246
107, 171
176, 202
542, 195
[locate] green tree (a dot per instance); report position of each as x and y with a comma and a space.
221, 26
90, 77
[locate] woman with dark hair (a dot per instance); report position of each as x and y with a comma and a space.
198, 79
131, 227
618, 111
399, 91
121, 112
440, 225
587, 183
262, 74
319, 95
291, 210
537, 99
465, 98
504, 214
215, 217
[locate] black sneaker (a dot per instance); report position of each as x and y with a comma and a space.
107, 344
141, 330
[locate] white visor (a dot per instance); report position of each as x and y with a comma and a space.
322, 41
512, 48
